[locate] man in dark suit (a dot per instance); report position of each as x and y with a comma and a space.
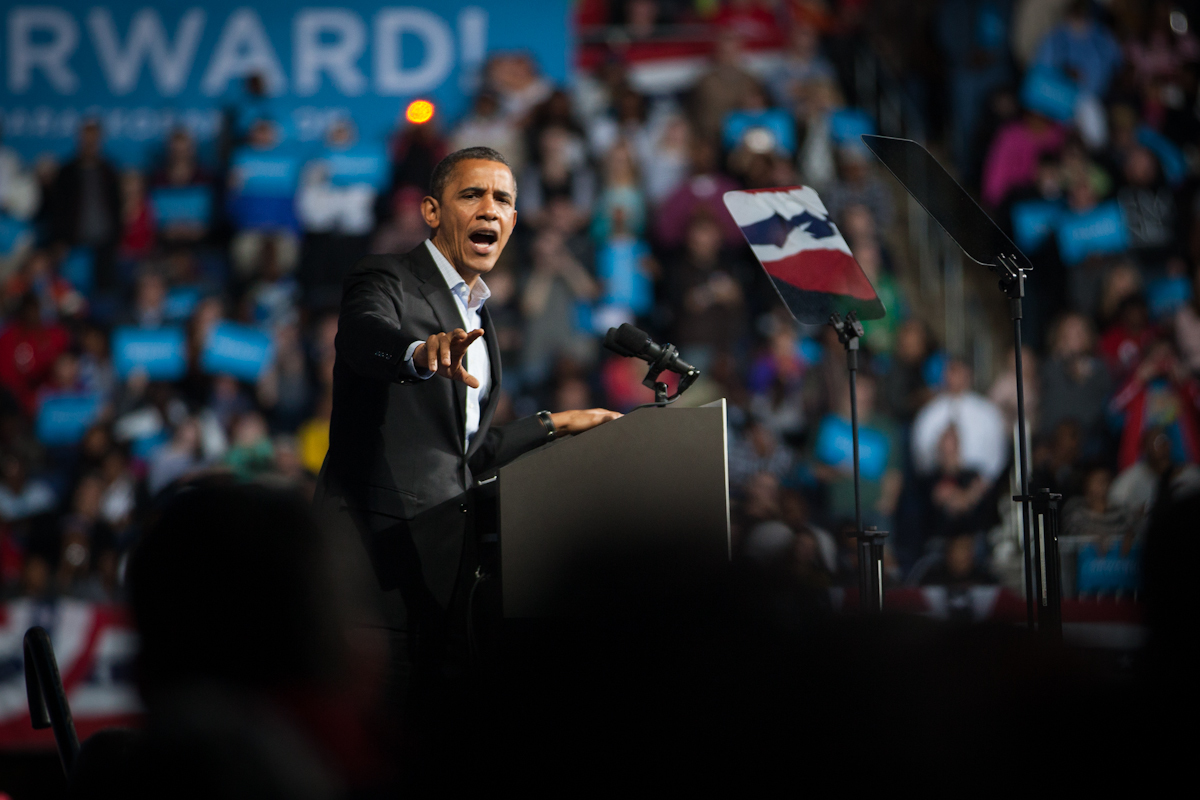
416, 383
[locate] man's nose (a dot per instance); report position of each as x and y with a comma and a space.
487, 209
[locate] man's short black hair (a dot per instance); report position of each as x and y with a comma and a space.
445, 167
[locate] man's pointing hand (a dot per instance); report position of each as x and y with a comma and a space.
443, 353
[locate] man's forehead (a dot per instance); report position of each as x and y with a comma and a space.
484, 173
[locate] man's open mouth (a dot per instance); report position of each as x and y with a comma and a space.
483, 240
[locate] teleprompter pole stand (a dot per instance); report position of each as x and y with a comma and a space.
1043, 596
870, 540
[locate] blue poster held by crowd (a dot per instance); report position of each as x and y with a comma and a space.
238, 350
161, 353
1100, 231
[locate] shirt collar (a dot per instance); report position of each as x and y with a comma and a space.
475, 298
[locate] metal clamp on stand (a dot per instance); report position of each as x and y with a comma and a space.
870, 569
1047, 567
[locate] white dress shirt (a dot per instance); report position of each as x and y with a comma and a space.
477, 363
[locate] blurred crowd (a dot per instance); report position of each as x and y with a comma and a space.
1075, 124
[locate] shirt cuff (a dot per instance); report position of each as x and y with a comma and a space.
409, 368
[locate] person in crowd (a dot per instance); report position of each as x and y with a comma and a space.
1127, 339
1148, 204
1075, 385
20, 199
1136, 486
722, 88
974, 37
879, 458
1058, 460
959, 500
705, 289
959, 567
757, 450
621, 193
336, 204
176, 459
84, 205
1093, 514
514, 77
182, 194
1186, 326
903, 387
817, 158
983, 438
559, 287
1081, 48
263, 178
138, 224
628, 122
801, 65
705, 188
1004, 389
1013, 158
1159, 394
28, 349
488, 126
39, 273
858, 185
559, 168
21, 496
666, 160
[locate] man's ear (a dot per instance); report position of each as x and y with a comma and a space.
431, 212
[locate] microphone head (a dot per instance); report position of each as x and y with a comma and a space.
635, 340
611, 342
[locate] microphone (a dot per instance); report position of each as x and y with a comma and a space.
632, 342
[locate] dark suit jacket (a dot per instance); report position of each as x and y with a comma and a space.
396, 463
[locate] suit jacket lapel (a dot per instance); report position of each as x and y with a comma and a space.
445, 308
489, 410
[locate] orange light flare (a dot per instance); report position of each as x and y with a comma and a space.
419, 112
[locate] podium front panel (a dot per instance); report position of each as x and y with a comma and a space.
653, 482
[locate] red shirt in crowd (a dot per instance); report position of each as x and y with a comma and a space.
27, 354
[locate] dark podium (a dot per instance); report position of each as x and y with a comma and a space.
656, 480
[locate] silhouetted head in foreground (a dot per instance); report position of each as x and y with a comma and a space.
229, 585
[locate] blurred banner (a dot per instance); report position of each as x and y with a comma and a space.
95, 646
148, 67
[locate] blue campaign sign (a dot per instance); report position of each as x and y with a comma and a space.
1033, 221
846, 125
181, 302
362, 163
1168, 294
238, 350
160, 352
79, 269
835, 447
1097, 232
266, 173
63, 418
182, 204
1109, 571
145, 68
14, 233
1049, 92
1170, 157
778, 122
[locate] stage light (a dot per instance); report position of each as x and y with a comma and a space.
419, 112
